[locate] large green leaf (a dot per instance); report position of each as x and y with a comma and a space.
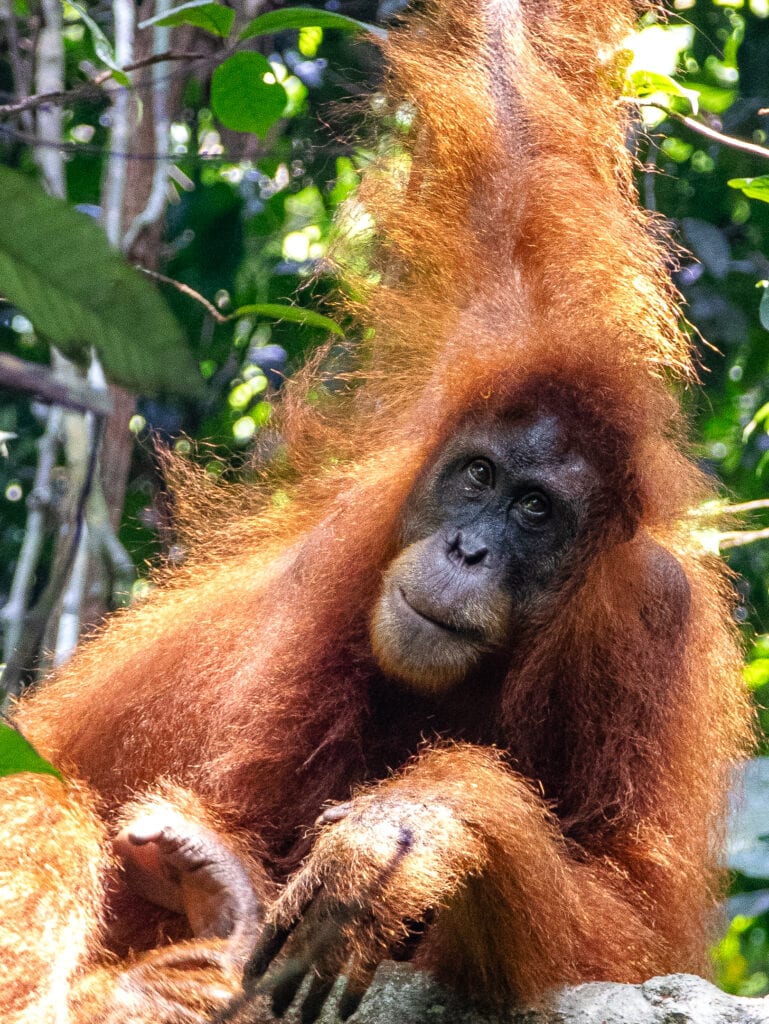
18, 755
296, 314
306, 17
241, 98
57, 267
754, 188
214, 18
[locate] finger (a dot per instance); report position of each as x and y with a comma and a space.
360, 974
355, 989
334, 813
271, 942
319, 946
315, 1000
287, 983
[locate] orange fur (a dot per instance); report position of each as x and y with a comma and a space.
514, 268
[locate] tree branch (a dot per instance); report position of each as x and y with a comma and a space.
186, 290
89, 90
704, 129
738, 538
14, 612
124, 15
43, 382
50, 78
156, 203
37, 619
145, 62
740, 507
20, 76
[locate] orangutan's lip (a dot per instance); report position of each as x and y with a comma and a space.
428, 618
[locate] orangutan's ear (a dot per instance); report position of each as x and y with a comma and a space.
667, 597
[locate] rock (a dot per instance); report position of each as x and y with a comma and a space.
401, 995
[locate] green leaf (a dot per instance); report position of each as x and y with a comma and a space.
214, 18
18, 755
754, 188
713, 98
709, 244
763, 309
241, 98
101, 44
57, 267
297, 314
756, 673
761, 415
306, 17
747, 850
652, 83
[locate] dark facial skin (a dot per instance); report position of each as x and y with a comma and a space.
487, 531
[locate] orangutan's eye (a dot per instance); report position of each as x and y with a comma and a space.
535, 506
480, 473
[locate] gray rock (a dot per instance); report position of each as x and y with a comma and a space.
402, 995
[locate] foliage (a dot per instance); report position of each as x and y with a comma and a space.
260, 160
17, 755
716, 59
57, 268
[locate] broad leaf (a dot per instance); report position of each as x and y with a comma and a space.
712, 98
241, 98
754, 188
275, 311
652, 83
101, 44
762, 414
748, 830
18, 755
763, 308
214, 18
58, 269
709, 244
306, 17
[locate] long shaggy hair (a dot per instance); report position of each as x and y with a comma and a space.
507, 266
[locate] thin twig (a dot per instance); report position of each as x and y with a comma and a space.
36, 621
156, 203
87, 90
124, 15
81, 148
44, 99
14, 612
43, 382
145, 62
186, 290
91, 90
744, 506
20, 79
704, 129
79, 435
70, 611
738, 538
650, 170
50, 78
